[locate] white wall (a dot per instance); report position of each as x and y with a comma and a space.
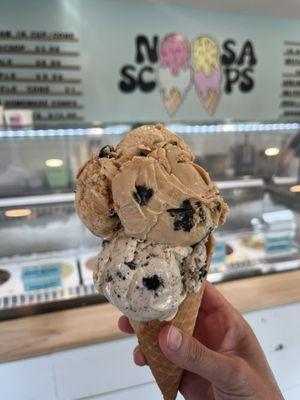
107, 30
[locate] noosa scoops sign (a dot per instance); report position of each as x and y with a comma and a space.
175, 66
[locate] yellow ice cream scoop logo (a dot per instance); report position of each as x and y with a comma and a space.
205, 54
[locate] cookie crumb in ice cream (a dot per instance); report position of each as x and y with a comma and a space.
142, 195
153, 282
118, 227
183, 216
121, 276
143, 153
201, 212
218, 206
202, 272
130, 264
106, 152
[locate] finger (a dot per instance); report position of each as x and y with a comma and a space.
189, 354
138, 357
124, 325
212, 299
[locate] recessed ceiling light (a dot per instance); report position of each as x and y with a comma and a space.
272, 151
54, 162
16, 213
295, 189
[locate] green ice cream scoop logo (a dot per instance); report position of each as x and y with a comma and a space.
176, 67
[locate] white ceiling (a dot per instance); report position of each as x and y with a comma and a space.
272, 8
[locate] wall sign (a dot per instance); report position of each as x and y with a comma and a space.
39, 70
290, 95
175, 66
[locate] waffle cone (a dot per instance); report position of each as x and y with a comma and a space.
172, 103
211, 101
166, 374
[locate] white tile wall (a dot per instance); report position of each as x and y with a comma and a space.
106, 371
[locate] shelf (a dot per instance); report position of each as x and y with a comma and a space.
46, 38
42, 66
35, 80
30, 133
9, 105
37, 200
55, 119
291, 43
291, 75
70, 196
49, 93
122, 128
240, 184
56, 331
41, 53
232, 127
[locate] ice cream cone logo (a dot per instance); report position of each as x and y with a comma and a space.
207, 73
174, 74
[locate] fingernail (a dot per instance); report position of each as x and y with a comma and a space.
174, 338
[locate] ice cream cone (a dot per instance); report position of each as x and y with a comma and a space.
211, 101
172, 103
166, 374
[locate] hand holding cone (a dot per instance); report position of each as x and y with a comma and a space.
166, 374
154, 263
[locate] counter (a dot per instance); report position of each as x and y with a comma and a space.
56, 331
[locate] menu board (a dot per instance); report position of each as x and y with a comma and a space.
290, 94
40, 71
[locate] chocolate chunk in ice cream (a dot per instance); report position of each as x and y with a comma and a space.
183, 216
152, 282
142, 195
106, 152
131, 264
203, 272
201, 212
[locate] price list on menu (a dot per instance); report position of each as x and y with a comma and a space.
290, 94
41, 71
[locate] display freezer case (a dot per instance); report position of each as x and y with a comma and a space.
47, 255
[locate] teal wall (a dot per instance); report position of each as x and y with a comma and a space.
107, 29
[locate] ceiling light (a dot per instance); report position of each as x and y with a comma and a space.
16, 213
54, 162
272, 151
295, 189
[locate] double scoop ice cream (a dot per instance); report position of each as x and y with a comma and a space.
156, 211
154, 207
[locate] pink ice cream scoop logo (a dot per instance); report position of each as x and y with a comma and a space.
206, 84
175, 53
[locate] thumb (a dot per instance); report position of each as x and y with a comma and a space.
191, 355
